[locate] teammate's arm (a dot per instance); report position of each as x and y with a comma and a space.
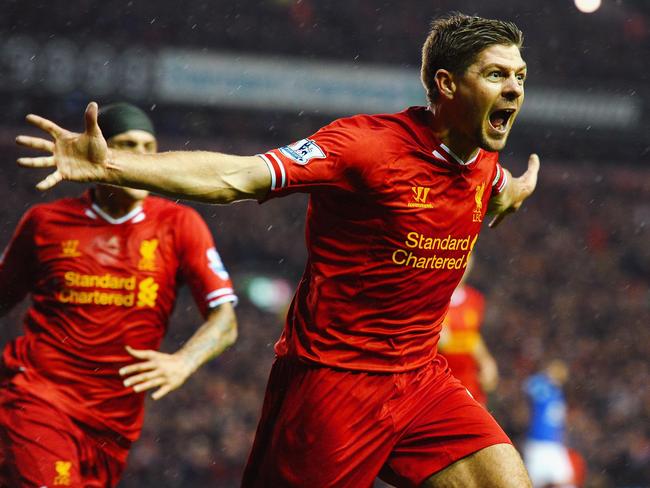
515, 192
196, 175
168, 372
488, 372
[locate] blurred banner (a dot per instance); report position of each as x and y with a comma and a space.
193, 77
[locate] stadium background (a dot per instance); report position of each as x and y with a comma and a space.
567, 277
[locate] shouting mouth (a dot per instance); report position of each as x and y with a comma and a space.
499, 119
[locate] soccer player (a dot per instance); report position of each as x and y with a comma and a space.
103, 272
396, 205
545, 454
461, 342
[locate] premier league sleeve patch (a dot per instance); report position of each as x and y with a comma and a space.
303, 151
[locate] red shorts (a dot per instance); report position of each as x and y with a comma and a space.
322, 427
42, 446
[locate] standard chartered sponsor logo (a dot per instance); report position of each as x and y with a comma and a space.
409, 256
146, 295
73, 279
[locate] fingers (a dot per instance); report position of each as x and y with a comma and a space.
161, 392
141, 353
142, 377
90, 119
533, 163
47, 125
35, 143
497, 220
529, 178
148, 385
137, 367
49, 181
40, 162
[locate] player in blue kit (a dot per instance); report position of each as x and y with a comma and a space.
545, 454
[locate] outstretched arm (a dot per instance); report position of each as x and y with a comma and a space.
515, 192
168, 372
195, 175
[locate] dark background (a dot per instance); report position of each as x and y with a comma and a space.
566, 277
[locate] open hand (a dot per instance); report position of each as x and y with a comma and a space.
156, 370
76, 157
516, 191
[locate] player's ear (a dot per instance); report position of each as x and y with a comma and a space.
445, 83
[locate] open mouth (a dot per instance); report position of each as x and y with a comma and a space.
499, 119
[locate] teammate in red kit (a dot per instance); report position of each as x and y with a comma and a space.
103, 272
396, 205
462, 345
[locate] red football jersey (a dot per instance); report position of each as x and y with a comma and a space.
461, 334
393, 216
99, 284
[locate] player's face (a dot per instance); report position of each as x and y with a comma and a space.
136, 141
490, 95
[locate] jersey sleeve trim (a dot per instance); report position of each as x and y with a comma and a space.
221, 296
276, 168
500, 180
222, 300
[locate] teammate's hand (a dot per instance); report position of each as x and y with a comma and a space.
516, 191
76, 157
157, 370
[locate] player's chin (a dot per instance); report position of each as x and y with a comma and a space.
494, 142
136, 194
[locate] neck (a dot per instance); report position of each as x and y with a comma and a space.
443, 128
114, 201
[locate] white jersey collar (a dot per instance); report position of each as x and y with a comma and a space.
136, 215
455, 157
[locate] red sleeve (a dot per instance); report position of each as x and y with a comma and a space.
200, 264
500, 180
334, 157
18, 264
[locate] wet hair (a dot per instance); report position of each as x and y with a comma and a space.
455, 41
118, 118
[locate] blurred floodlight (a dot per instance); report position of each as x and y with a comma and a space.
272, 295
587, 6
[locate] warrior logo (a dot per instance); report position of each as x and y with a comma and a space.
419, 196
69, 248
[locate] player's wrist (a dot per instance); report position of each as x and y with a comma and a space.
112, 171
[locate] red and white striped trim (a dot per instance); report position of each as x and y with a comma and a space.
456, 158
276, 168
500, 179
221, 296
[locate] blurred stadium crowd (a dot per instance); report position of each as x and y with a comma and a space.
568, 277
